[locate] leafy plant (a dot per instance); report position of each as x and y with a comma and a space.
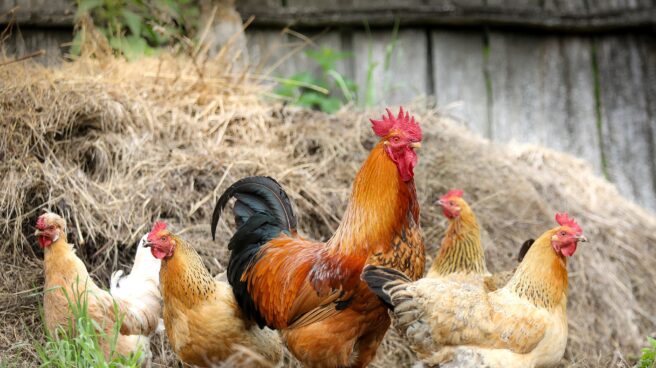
79, 343
326, 92
648, 358
330, 90
135, 28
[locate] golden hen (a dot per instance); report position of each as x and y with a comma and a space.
202, 319
66, 278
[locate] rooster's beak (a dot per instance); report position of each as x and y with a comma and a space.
37, 232
415, 145
581, 238
147, 244
440, 203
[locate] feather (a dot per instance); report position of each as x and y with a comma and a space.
381, 279
525, 247
256, 194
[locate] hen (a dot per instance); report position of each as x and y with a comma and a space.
461, 253
203, 321
66, 277
455, 324
310, 290
143, 277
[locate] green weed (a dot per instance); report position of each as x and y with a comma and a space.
79, 343
136, 28
332, 88
648, 358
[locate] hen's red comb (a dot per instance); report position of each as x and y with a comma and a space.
403, 122
563, 219
157, 227
41, 222
453, 193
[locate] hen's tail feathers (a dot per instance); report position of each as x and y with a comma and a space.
113, 281
386, 283
524, 249
262, 211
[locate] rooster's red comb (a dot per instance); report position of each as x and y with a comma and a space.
563, 219
403, 122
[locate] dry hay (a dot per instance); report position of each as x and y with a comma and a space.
113, 146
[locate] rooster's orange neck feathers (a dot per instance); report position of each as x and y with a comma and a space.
184, 277
380, 205
461, 249
542, 276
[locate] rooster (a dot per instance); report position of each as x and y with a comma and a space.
66, 277
455, 324
203, 321
461, 253
310, 290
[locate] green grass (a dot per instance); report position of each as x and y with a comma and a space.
78, 343
648, 358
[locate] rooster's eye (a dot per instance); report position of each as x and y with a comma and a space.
562, 233
162, 238
395, 139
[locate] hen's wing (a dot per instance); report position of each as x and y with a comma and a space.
137, 316
437, 312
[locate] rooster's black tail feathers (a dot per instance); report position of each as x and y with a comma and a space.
262, 211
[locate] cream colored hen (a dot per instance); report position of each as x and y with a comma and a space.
461, 324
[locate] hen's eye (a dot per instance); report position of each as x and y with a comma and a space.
562, 233
395, 139
162, 238
452, 203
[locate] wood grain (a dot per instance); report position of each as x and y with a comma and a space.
543, 93
626, 77
399, 69
459, 79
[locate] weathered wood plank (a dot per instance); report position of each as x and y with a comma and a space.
284, 55
608, 6
628, 122
559, 15
39, 12
31, 40
345, 5
543, 93
556, 15
269, 51
398, 75
459, 78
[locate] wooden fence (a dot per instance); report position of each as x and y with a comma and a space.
577, 76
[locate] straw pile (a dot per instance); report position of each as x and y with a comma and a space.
113, 146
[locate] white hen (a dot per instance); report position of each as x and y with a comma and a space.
142, 283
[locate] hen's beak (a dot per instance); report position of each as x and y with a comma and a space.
147, 244
440, 203
581, 238
37, 232
415, 145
